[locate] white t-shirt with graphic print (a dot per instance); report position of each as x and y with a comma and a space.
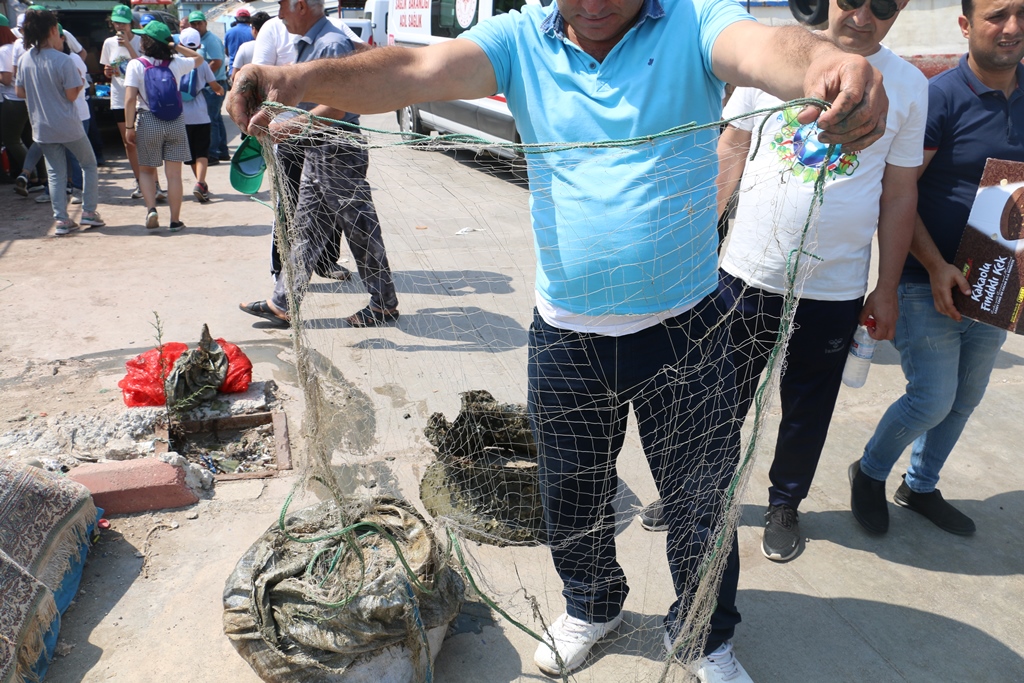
777, 189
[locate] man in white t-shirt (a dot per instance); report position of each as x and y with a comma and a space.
873, 187
117, 51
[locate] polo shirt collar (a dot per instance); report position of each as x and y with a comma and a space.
554, 25
313, 33
979, 88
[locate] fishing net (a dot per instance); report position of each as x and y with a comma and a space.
431, 408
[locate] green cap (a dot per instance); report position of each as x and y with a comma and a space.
122, 14
157, 30
248, 166
196, 16
4, 21
37, 8
60, 30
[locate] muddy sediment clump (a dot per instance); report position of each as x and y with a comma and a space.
485, 479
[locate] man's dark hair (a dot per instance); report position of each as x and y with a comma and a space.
155, 49
967, 7
259, 19
37, 27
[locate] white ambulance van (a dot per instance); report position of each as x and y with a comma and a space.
414, 23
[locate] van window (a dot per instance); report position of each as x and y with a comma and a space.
449, 18
506, 6
445, 22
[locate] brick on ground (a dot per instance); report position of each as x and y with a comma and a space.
135, 485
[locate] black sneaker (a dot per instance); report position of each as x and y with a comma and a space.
652, 518
935, 508
782, 540
867, 500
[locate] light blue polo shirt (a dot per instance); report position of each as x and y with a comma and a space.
627, 231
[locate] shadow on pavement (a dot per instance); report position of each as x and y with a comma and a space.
913, 541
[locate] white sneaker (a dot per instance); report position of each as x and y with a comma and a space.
75, 199
43, 198
573, 639
161, 196
137, 192
721, 666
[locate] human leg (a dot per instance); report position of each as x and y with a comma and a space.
979, 347
359, 223
81, 150
579, 426
57, 173
14, 120
313, 221
218, 133
685, 416
929, 346
808, 388
174, 191
130, 150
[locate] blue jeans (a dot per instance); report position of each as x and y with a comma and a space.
55, 154
679, 380
218, 134
947, 365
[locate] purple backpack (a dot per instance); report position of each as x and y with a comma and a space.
162, 94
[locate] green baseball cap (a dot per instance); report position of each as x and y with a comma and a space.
4, 21
248, 166
121, 14
196, 16
157, 30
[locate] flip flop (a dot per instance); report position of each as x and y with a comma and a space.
260, 309
369, 317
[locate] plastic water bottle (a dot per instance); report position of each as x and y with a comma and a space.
858, 361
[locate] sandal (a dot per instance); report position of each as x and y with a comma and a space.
370, 317
261, 309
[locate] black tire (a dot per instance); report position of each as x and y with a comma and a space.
409, 123
809, 12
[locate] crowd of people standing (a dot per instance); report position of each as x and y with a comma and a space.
142, 54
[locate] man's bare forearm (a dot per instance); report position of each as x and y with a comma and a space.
896, 217
353, 83
923, 247
733, 146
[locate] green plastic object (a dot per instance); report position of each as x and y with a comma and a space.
248, 166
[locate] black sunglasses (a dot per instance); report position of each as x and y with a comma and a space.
882, 9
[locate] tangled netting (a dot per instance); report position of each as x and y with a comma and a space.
432, 409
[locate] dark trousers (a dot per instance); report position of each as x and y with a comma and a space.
808, 388
292, 157
679, 379
16, 135
334, 200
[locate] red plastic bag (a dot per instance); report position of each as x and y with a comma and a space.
143, 385
239, 369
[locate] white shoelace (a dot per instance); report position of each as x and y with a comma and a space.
726, 663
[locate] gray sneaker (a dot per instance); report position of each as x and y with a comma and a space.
782, 540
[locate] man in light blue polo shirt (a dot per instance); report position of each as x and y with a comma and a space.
626, 247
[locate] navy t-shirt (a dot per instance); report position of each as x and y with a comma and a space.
968, 122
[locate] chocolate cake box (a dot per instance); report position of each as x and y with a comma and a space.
991, 252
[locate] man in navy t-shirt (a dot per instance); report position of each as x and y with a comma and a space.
975, 111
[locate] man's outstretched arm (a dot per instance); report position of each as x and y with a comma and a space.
455, 69
791, 62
